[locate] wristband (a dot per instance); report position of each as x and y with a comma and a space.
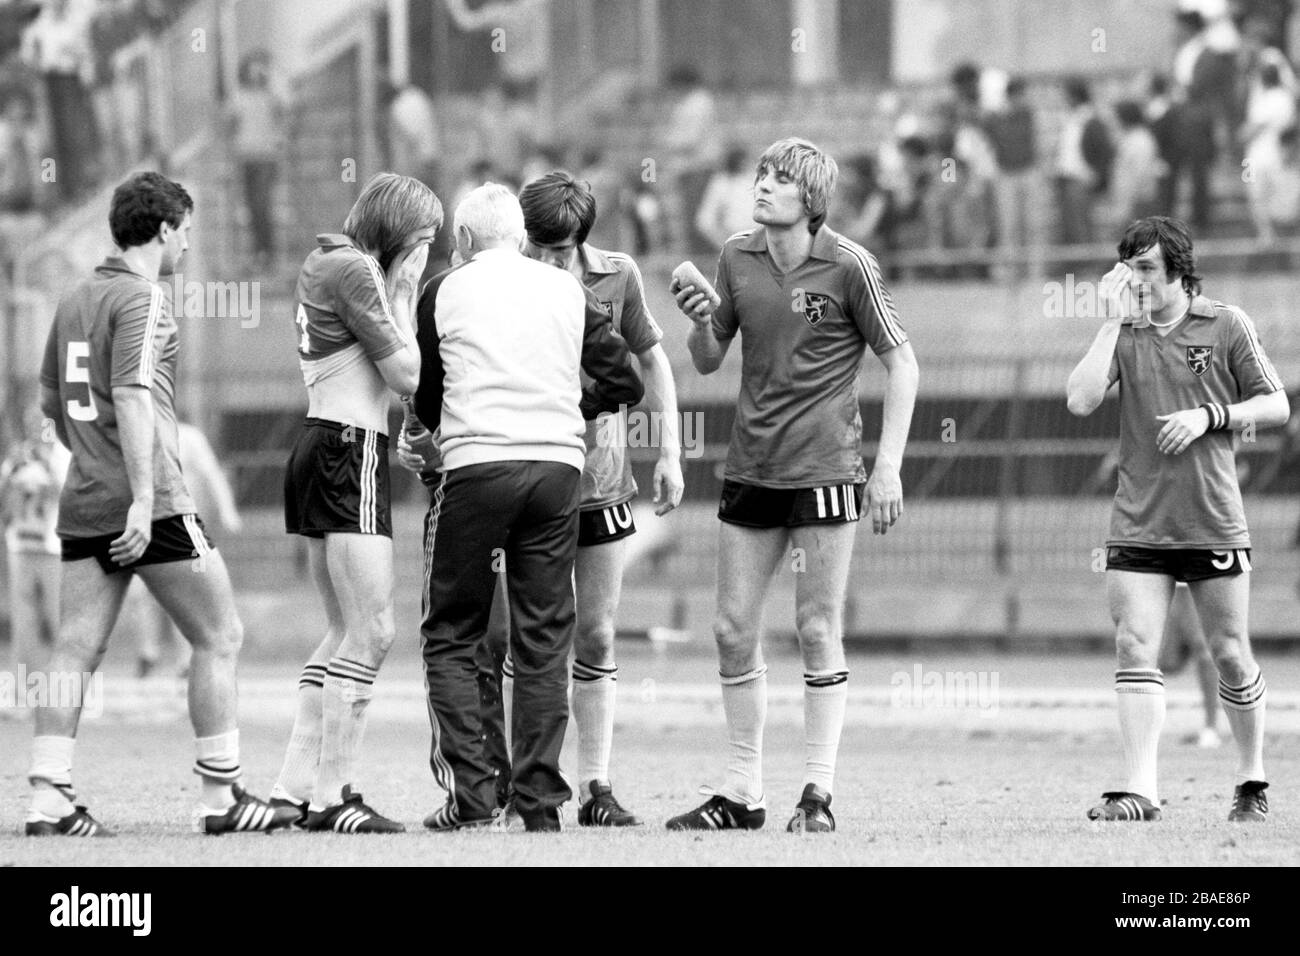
1218, 416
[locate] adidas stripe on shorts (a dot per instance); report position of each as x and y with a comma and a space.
337, 481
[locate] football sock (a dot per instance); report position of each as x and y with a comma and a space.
51, 777
824, 697
594, 689
1141, 696
744, 702
298, 774
217, 764
1244, 707
508, 704
347, 691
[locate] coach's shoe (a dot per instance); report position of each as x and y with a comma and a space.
544, 820
719, 813
444, 820
1120, 805
604, 810
78, 823
1249, 803
812, 814
350, 816
247, 814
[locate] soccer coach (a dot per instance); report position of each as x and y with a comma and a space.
503, 341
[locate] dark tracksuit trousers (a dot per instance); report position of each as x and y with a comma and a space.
525, 513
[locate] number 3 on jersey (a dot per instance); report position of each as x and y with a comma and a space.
304, 342
77, 371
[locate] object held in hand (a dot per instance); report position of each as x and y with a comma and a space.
687, 274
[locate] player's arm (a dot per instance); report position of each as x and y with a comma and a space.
607, 362
380, 312
713, 322
885, 486
871, 308
661, 397
1097, 372
644, 338
50, 401
133, 405
1267, 406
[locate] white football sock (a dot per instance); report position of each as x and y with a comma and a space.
744, 702
298, 773
51, 777
1141, 696
348, 686
594, 690
824, 696
217, 764
1244, 707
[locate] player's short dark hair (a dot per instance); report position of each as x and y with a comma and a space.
1175, 246
142, 204
557, 206
389, 209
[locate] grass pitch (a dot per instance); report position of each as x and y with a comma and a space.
905, 796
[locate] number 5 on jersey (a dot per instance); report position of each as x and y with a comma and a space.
77, 371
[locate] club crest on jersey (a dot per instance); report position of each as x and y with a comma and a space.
815, 307
1198, 358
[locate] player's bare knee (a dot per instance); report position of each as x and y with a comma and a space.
818, 634
1232, 658
1135, 649
736, 643
593, 643
223, 639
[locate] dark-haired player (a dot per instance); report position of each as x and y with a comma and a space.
1190, 374
356, 348
108, 384
807, 303
559, 212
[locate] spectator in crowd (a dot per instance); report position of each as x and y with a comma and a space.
911, 191
1017, 188
649, 228
603, 181
57, 46
1139, 170
966, 200
1084, 155
1161, 120
691, 139
1271, 111
18, 162
256, 119
869, 214
727, 206
1204, 79
415, 149
31, 478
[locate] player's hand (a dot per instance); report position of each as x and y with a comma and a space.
696, 306
130, 546
884, 498
668, 484
1116, 294
405, 271
1181, 429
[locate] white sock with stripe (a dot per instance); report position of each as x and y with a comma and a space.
344, 699
824, 696
217, 764
508, 703
298, 773
594, 690
1244, 707
51, 778
1141, 697
744, 702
